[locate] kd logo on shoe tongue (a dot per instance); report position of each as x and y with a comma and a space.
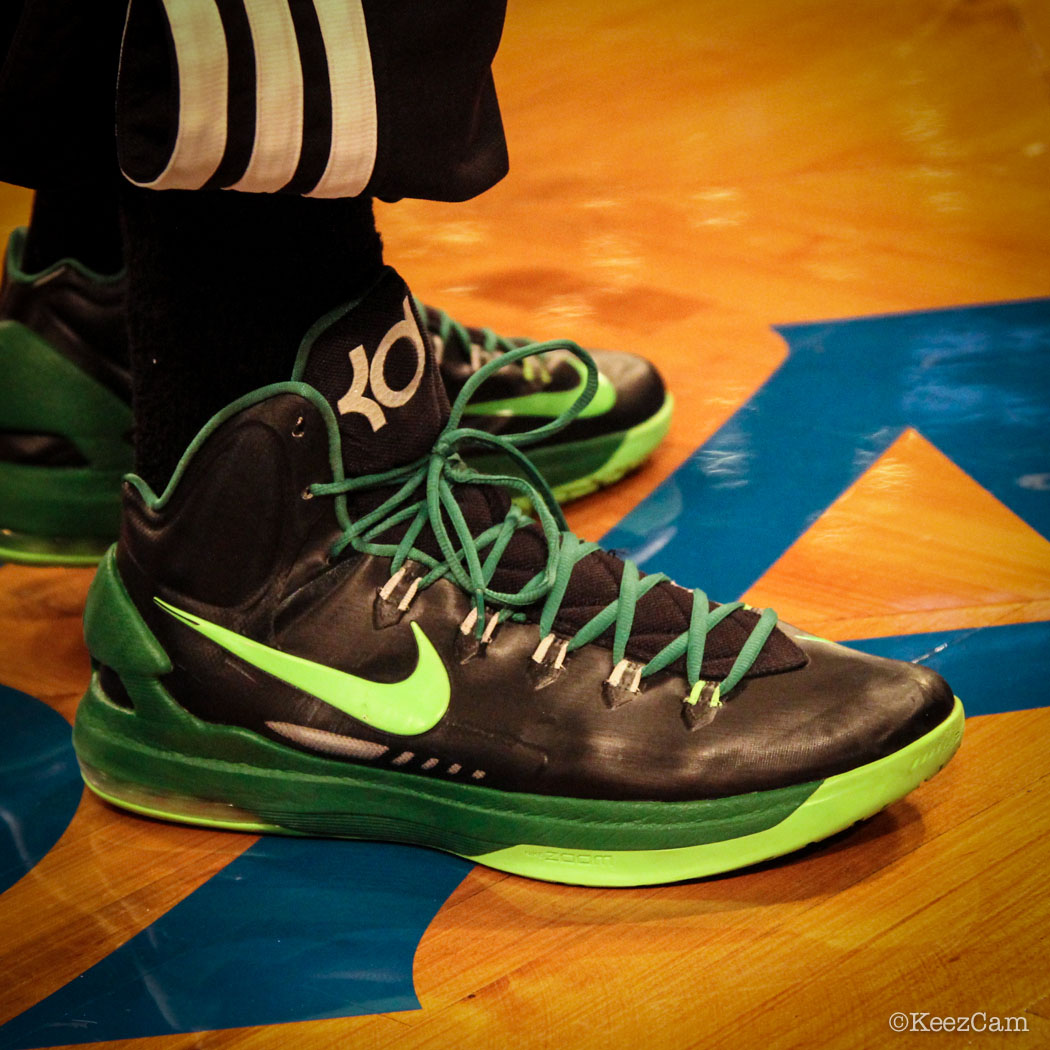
413, 705
354, 400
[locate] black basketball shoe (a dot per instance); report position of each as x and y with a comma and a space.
65, 415
327, 624
622, 424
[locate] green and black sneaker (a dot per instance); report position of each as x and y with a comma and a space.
327, 624
65, 417
622, 424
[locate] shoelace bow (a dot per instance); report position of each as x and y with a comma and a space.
451, 332
424, 493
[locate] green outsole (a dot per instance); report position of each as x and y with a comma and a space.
837, 803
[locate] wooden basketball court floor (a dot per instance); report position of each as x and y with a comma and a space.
793, 206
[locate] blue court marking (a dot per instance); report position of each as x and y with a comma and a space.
975, 381
292, 930
993, 669
40, 785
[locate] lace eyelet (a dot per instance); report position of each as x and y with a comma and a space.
548, 661
299, 428
306, 493
623, 684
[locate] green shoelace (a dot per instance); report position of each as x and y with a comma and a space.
424, 494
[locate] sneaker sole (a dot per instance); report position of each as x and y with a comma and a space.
157, 759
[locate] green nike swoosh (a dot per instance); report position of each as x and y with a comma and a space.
406, 708
550, 403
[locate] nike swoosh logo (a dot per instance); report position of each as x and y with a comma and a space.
406, 708
551, 403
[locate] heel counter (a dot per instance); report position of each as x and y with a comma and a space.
116, 634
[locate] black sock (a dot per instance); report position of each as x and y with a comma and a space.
75, 223
222, 287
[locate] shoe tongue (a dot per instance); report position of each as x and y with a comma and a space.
374, 364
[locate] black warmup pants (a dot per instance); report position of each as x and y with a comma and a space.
322, 98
